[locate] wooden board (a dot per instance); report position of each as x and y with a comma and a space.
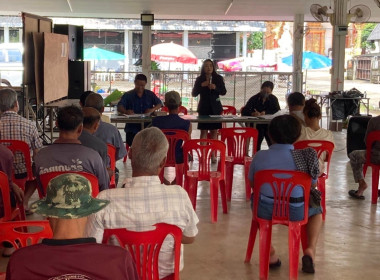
55, 66
38, 43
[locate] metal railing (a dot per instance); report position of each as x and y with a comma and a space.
240, 85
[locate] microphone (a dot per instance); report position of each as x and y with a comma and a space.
210, 80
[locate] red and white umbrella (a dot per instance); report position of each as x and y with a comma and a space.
170, 52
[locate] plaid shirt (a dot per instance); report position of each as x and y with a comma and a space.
15, 127
142, 203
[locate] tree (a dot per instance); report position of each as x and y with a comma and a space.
255, 41
367, 29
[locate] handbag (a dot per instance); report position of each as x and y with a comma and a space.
315, 198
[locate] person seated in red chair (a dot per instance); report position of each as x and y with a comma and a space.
358, 158
284, 131
313, 131
67, 153
173, 121
145, 201
16, 193
296, 103
69, 254
15, 127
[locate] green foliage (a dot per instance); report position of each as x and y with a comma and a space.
114, 96
255, 41
154, 65
368, 27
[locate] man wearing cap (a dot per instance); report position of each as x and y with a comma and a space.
137, 101
145, 201
67, 153
69, 255
173, 121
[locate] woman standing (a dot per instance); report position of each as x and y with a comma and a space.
209, 85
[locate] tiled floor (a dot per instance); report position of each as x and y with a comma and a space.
348, 246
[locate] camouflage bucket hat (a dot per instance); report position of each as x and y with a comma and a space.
68, 196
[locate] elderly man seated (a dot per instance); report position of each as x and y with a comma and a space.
69, 255
145, 201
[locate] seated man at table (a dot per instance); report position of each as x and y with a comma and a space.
69, 254
173, 121
67, 153
137, 101
145, 201
262, 103
358, 158
296, 103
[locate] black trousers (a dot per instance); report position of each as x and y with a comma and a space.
263, 133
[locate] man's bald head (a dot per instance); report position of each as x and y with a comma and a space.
96, 101
91, 117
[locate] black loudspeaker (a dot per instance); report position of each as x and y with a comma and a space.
75, 34
79, 78
357, 127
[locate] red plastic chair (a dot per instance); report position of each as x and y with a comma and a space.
372, 137
15, 233
282, 188
228, 110
203, 150
111, 152
173, 136
238, 141
181, 109
10, 213
145, 248
323, 149
45, 179
18, 146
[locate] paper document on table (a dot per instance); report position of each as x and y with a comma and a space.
216, 116
249, 117
136, 115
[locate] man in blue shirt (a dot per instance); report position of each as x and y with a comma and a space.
137, 101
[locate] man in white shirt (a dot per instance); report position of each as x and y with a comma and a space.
145, 201
296, 103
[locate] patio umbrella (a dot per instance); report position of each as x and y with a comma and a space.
231, 65
96, 53
170, 52
310, 60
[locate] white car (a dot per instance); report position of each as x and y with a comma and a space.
11, 67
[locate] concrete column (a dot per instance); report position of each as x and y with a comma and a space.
6, 34
244, 54
146, 45
298, 28
185, 39
338, 46
127, 51
237, 54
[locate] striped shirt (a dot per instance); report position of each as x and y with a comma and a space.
15, 127
142, 203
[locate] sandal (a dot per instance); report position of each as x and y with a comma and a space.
307, 264
275, 264
354, 194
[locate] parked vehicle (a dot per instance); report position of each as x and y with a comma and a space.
11, 67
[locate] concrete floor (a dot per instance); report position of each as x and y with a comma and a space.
348, 246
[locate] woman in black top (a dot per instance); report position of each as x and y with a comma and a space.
209, 85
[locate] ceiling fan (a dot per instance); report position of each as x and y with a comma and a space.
357, 14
